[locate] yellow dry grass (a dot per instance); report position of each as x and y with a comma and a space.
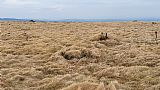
71, 56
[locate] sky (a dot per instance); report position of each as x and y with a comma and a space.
79, 9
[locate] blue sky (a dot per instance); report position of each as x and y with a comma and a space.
80, 9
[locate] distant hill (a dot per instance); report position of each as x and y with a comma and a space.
83, 20
12, 19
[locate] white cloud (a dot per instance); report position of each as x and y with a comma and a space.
19, 2
30, 4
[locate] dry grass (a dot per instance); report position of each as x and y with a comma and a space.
76, 56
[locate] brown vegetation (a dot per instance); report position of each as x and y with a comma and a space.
79, 56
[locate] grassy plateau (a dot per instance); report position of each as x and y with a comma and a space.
79, 56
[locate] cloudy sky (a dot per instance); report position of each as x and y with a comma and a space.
79, 9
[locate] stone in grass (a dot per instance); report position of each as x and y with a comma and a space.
100, 37
32, 21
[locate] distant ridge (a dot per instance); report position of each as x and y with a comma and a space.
83, 20
12, 19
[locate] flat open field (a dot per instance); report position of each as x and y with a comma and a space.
77, 56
